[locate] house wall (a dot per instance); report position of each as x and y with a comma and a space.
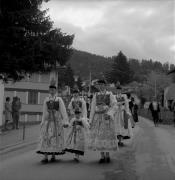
38, 83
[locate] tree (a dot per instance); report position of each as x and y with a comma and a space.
28, 43
135, 67
83, 62
166, 67
69, 76
79, 83
156, 83
66, 76
158, 66
120, 70
172, 67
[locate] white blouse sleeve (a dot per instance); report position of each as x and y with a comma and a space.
127, 105
93, 107
84, 109
70, 107
85, 123
45, 113
113, 100
63, 111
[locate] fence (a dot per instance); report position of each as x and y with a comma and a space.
166, 116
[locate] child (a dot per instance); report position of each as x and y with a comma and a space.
77, 103
77, 135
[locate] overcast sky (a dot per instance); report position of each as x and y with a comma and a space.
143, 29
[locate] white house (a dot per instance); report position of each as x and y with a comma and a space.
169, 95
32, 92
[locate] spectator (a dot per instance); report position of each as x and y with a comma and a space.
155, 109
130, 101
88, 104
8, 113
134, 110
16, 106
133, 107
173, 109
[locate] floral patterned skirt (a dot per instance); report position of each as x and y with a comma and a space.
51, 139
119, 123
102, 133
76, 140
123, 124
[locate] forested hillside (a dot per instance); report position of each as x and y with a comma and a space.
83, 62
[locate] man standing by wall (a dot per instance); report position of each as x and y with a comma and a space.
1, 102
173, 110
16, 106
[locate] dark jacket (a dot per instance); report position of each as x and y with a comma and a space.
152, 108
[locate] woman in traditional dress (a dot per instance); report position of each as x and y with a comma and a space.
77, 137
52, 126
131, 107
102, 130
122, 116
77, 102
119, 115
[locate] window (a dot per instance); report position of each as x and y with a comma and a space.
22, 96
42, 97
34, 78
33, 97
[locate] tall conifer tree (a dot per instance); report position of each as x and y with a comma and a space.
120, 70
28, 42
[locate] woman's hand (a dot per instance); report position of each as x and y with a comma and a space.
90, 125
102, 108
65, 125
42, 124
51, 111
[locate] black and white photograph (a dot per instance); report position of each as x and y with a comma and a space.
87, 89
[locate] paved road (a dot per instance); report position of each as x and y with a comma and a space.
149, 156
13, 137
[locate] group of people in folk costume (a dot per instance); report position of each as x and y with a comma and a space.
109, 123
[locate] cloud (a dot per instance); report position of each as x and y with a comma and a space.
141, 29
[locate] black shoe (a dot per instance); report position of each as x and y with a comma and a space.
52, 159
108, 160
102, 160
5, 129
76, 160
44, 161
120, 144
119, 136
126, 137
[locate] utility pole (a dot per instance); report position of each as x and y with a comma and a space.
155, 87
90, 79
